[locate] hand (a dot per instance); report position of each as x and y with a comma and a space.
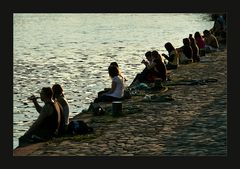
165, 56
32, 98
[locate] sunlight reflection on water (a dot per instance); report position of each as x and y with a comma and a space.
75, 50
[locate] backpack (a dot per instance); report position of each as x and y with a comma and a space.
78, 127
96, 109
127, 94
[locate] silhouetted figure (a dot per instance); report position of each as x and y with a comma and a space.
159, 68
195, 49
185, 52
211, 42
219, 28
59, 96
143, 76
49, 122
172, 57
200, 43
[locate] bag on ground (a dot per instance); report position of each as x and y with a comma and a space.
78, 127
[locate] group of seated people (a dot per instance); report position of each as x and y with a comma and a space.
156, 67
53, 117
191, 51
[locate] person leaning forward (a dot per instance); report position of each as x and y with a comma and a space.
49, 122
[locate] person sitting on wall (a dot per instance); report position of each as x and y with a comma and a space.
200, 43
172, 57
195, 49
143, 76
116, 91
211, 42
185, 52
49, 122
60, 98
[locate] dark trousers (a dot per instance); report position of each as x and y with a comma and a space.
141, 77
105, 98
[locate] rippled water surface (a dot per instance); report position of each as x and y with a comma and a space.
75, 50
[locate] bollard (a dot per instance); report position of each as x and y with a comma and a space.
116, 108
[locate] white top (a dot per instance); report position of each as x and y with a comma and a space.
119, 91
183, 57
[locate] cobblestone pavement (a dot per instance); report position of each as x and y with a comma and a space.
194, 123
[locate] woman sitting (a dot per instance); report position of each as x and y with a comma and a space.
143, 76
172, 57
195, 49
158, 68
200, 43
116, 92
154, 68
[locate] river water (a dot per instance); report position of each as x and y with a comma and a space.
75, 50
